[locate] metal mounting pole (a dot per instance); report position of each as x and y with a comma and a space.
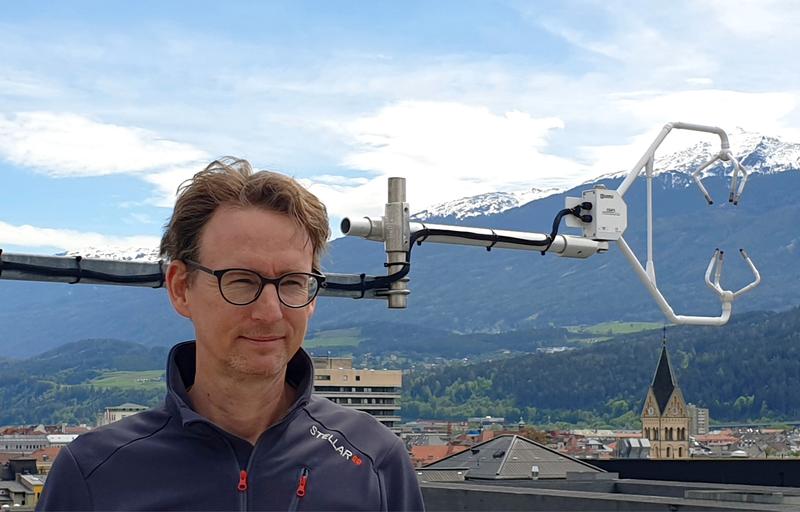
397, 237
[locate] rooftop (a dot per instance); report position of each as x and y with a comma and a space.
510, 457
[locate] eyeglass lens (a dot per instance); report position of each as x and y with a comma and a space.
242, 287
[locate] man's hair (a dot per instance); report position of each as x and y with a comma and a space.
231, 181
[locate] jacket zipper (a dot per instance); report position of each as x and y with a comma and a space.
242, 481
301, 490
242, 486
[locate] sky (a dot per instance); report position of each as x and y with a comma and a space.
106, 107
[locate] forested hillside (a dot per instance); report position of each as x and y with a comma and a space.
55, 386
748, 369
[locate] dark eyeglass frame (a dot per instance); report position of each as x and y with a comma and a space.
320, 278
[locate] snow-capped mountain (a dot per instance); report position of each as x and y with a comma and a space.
139, 254
472, 290
490, 203
758, 154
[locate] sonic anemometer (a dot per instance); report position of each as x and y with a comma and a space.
600, 213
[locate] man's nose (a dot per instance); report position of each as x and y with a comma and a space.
268, 306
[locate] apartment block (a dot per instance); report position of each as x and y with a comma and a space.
698, 420
376, 392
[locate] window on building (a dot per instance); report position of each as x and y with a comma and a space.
322, 377
667, 451
358, 377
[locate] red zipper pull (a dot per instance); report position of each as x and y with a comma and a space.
242, 481
301, 485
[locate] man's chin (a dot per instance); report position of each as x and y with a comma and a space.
264, 366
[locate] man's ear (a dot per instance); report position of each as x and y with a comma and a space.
177, 282
312, 307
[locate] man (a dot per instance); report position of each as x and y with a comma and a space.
239, 428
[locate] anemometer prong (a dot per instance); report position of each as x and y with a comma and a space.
725, 155
715, 265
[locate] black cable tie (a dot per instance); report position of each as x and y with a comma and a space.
363, 285
549, 243
424, 236
494, 241
403, 263
161, 273
78, 264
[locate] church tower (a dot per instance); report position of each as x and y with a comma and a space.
665, 420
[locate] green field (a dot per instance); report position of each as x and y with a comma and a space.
614, 328
148, 379
334, 337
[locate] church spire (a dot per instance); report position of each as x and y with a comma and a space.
663, 381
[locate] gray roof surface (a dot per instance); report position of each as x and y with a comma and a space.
511, 456
14, 486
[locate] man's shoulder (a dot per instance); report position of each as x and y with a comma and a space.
362, 430
96, 446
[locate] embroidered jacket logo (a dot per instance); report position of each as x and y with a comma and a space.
335, 444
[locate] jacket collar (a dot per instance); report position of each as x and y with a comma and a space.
181, 370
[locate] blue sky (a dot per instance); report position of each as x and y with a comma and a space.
105, 107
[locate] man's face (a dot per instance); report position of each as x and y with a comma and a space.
259, 338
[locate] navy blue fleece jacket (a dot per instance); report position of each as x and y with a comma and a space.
321, 456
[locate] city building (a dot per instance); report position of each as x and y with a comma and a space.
23, 443
20, 486
504, 457
698, 420
118, 412
665, 421
510, 472
60, 439
376, 392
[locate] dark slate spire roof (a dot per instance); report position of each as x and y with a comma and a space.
663, 381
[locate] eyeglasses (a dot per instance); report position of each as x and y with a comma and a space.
240, 286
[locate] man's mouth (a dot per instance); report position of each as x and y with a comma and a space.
262, 339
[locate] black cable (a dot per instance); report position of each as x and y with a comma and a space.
383, 282
376, 283
78, 270
81, 273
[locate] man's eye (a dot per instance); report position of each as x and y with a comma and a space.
294, 282
240, 280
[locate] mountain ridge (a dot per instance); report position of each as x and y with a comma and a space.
461, 289
758, 153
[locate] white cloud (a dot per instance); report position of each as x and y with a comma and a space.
68, 145
446, 151
19, 83
755, 112
340, 181
33, 236
700, 81
138, 218
167, 182
755, 19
